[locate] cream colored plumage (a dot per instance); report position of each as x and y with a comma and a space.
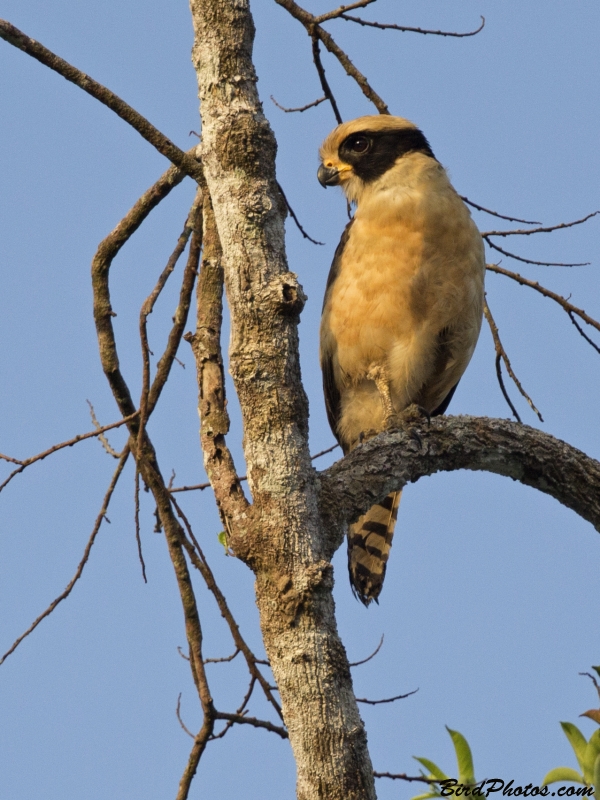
404, 300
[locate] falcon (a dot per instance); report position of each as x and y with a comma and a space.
403, 304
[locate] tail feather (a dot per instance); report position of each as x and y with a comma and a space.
369, 544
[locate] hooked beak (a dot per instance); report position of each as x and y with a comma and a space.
328, 176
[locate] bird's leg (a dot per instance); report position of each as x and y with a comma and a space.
377, 374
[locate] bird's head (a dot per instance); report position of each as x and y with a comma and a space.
359, 152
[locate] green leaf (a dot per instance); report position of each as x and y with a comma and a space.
577, 741
597, 670
596, 777
425, 796
562, 774
592, 751
222, 537
466, 773
434, 770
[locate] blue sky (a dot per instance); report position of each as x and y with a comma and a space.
490, 605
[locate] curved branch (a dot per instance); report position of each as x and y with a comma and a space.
165, 146
392, 459
405, 28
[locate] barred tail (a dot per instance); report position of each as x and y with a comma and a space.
369, 544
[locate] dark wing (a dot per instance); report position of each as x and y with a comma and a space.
444, 354
330, 389
441, 409
334, 270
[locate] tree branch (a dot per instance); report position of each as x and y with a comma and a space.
390, 26
392, 459
562, 301
84, 558
55, 448
185, 161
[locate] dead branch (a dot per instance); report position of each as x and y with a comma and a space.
257, 723
496, 214
239, 711
199, 561
223, 660
549, 229
368, 658
295, 218
214, 419
55, 448
185, 161
402, 776
502, 354
181, 722
529, 261
582, 332
390, 26
103, 440
316, 51
314, 30
562, 301
387, 699
84, 558
301, 108
202, 486
342, 10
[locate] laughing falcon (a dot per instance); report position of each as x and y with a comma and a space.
403, 304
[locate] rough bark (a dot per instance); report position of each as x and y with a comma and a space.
282, 538
392, 459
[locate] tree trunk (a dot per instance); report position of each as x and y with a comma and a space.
281, 536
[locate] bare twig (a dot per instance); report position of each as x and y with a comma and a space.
84, 558
501, 354
592, 678
257, 723
181, 722
315, 31
387, 699
582, 332
55, 448
562, 301
342, 10
368, 658
301, 108
198, 559
390, 26
185, 161
295, 218
529, 261
223, 660
402, 776
324, 452
496, 214
549, 229
202, 486
196, 487
103, 440
239, 711
136, 501
316, 51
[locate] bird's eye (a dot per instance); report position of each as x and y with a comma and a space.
358, 144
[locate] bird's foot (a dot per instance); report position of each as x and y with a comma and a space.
364, 436
411, 416
414, 413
